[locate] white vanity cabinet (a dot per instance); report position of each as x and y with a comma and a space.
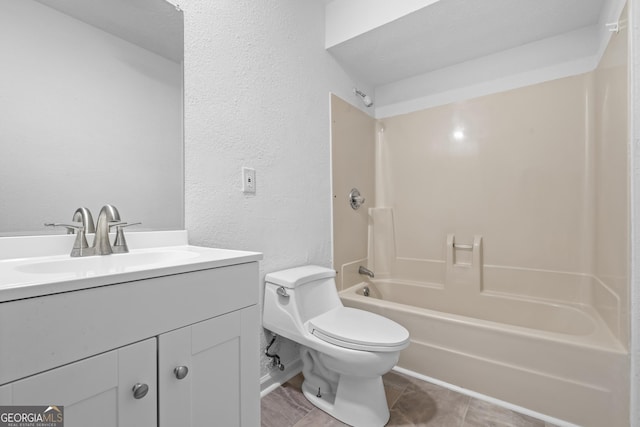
87, 349
97, 391
207, 373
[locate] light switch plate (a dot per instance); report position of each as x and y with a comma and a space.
248, 180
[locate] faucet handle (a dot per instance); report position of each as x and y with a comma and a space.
120, 244
115, 224
80, 245
121, 224
70, 227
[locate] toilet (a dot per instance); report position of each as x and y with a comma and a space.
344, 351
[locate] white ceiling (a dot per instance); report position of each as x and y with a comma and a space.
433, 39
450, 32
155, 25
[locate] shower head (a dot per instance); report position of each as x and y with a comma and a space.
366, 99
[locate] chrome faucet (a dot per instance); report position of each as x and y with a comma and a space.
108, 217
84, 216
365, 271
83, 223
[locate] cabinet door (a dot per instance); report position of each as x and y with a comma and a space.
222, 386
97, 391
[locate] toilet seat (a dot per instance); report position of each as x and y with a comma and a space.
359, 330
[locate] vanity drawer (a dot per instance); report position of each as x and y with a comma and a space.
37, 334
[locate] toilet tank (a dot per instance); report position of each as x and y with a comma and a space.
311, 289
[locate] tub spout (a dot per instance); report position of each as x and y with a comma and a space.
365, 271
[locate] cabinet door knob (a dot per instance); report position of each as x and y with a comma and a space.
140, 390
181, 372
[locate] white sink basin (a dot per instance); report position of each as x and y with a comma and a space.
33, 266
115, 263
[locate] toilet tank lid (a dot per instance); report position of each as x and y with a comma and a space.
293, 277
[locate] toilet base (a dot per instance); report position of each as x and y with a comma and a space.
359, 402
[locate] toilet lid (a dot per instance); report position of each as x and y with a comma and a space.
359, 330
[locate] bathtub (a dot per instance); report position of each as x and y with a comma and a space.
554, 358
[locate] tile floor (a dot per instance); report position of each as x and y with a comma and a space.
412, 402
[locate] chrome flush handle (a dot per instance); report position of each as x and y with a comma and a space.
282, 292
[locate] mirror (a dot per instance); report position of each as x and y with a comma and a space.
91, 97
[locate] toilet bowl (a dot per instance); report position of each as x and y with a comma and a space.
344, 351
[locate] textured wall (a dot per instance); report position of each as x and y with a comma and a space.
257, 84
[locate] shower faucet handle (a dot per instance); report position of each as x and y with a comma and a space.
355, 199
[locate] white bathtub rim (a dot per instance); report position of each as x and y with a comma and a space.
488, 292
520, 409
491, 292
601, 340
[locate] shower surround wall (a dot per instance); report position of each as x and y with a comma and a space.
540, 174
611, 181
353, 163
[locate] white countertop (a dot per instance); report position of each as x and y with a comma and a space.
40, 265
